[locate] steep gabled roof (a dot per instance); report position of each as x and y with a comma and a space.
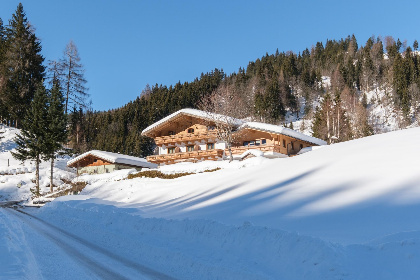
192, 113
114, 158
282, 130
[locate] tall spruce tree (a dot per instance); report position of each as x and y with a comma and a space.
57, 127
32, 140
23, 65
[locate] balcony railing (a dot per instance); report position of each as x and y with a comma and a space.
185, 137
193, 155
264, 148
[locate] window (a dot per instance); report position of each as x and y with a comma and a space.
210, 127
257, 142
263, 141
251, 143
246, 143
301, 146
190, 130
293, 146
171, 132
190, 148
284, 143
171, 150
210, 146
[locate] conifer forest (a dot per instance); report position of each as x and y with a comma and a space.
338, 90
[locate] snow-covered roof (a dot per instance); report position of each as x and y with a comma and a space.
236, 122
282, 130
193, 113
115, 158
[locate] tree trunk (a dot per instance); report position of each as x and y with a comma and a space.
68, 84
338, 122
230, 154
37, 175
328, 127
52, 173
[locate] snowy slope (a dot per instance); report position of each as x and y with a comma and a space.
346, 211
348, 192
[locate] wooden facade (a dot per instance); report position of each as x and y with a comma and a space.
184, 136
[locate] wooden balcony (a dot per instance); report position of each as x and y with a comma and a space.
264, 148
187, 156
185, 137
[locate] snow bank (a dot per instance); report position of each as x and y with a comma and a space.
199, 167
198, 249
349, 192
309, 149
203, 249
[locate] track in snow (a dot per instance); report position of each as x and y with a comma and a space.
97, 260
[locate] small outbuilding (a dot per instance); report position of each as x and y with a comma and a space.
98, 162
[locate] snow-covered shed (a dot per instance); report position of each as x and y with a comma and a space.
97, 162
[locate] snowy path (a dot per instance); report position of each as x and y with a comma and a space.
30, 241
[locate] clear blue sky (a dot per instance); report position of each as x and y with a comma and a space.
127, 44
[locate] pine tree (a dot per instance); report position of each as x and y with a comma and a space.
23, 64
415, 45
268, 105
76, 119
57, 126
1, 134
31, 142
291, 125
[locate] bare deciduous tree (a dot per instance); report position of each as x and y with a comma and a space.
225, 108
71, 74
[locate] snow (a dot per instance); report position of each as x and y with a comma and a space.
326, 81
254, 152
333, 193
114, 158
282, 130
309, 149
343, 211
17, 178
194, 113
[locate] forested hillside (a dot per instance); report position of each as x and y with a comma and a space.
341, 91
337, 90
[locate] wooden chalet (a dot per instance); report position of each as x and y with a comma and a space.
191, 135
97, 162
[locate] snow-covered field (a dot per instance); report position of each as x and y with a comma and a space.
346, 211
